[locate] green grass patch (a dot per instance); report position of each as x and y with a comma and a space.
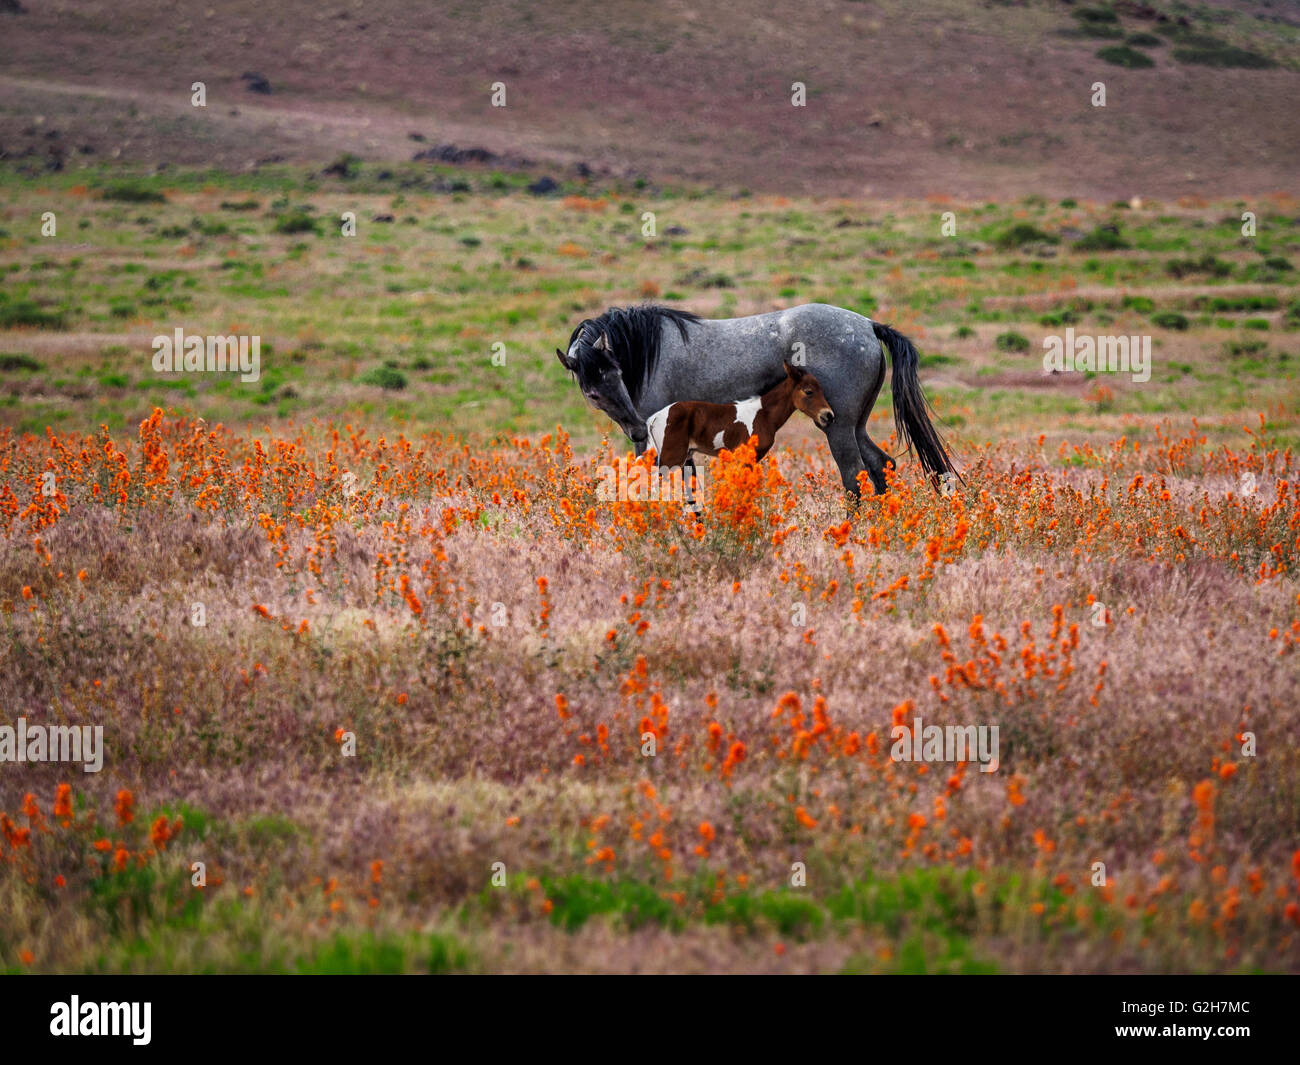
1121, 55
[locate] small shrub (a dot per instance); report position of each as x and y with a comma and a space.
1237, 303
1121, 55
1023, 233
131, 192
297, 221
1236, 348
385, 377
1170, 320
1096, 16
1105, 237
1224, 56
1206, 264
10, 362
29, 313
1012, 341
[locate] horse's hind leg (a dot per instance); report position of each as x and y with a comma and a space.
873, 457
844, 449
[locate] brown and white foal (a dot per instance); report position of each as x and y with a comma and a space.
681, 429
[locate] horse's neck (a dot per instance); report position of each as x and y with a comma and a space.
778, 404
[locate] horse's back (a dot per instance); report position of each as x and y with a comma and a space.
727, 359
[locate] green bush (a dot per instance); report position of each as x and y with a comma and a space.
1023, 233
1103, 238
1012, 342
1170, 320
1124, 56
29, 313
131, 192
1224, 56
10, 361
297, 221
1237, 303
1206, 264
384, 377
1096, 15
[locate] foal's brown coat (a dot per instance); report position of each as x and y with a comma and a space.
681, 429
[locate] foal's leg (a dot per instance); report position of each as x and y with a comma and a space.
688, 474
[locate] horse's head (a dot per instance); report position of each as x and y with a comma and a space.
591, 358
808, 396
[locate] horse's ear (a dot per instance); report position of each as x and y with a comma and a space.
564, 360
603, 344
792, 371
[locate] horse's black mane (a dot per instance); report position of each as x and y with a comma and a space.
634, 334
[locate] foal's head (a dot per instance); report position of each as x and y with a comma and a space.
808, 397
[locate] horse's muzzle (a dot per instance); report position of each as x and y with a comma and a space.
825, 418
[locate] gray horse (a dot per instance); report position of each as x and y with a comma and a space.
631, 362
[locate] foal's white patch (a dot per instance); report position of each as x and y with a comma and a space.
747, 410
717, 441
655, 426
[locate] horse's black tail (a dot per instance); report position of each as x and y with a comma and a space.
910, 405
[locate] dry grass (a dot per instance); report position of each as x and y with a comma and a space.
501, 644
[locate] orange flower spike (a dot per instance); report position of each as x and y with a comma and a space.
160, 832
124, 807
30, 809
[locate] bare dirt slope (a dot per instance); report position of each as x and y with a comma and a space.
933, 97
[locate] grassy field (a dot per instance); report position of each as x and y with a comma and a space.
366, 642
